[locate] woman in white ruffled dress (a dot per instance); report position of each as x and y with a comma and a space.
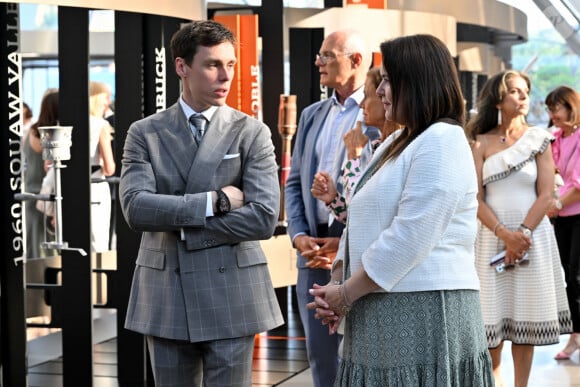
525, 302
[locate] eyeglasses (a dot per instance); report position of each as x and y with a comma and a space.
324, 58
554, 108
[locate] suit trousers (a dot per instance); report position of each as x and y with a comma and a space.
178, 363
322, 348
567, 230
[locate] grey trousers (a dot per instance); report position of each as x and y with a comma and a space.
226, 362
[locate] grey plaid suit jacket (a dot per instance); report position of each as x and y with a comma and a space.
215, 283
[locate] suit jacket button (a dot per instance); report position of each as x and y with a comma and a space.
222, 269
177, 271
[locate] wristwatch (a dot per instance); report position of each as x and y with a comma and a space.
525, 230
222, 203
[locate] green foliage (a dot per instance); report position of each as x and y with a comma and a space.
554, 66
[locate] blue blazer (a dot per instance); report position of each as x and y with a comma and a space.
301, 206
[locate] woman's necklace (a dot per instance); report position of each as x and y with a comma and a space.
503, 139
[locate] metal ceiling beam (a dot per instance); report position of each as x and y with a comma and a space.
570, 33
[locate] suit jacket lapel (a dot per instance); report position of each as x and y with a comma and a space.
315, 129
219, 135
177, 139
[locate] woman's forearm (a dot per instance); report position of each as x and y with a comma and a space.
359, 285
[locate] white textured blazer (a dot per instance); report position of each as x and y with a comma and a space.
412, 226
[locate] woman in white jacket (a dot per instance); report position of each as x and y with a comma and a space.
404, 279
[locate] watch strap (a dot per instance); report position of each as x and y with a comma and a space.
223, 204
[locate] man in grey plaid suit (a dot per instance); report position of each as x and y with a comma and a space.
201, 288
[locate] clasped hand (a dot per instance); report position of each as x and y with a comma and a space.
517, 244
327, 305
319, 252
553, 211
354, 141
323, 187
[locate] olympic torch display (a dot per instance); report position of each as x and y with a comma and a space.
287, 129
56, 142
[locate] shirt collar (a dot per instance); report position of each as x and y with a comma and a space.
355, 98
188, 111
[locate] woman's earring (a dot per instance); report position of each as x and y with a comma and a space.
498, 117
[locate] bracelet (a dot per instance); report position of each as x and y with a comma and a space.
345, 297
498, 224
346, 304
337, 282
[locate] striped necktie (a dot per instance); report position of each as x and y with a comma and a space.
198, 121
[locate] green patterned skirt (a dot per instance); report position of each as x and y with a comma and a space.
433, 338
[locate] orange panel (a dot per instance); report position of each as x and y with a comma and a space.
377, 59
378, 4
245, 92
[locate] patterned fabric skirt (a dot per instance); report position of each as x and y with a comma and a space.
433, 338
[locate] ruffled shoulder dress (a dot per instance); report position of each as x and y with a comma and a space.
526, 304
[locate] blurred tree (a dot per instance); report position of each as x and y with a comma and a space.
556, 65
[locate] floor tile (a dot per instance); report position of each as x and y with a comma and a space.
280, 360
